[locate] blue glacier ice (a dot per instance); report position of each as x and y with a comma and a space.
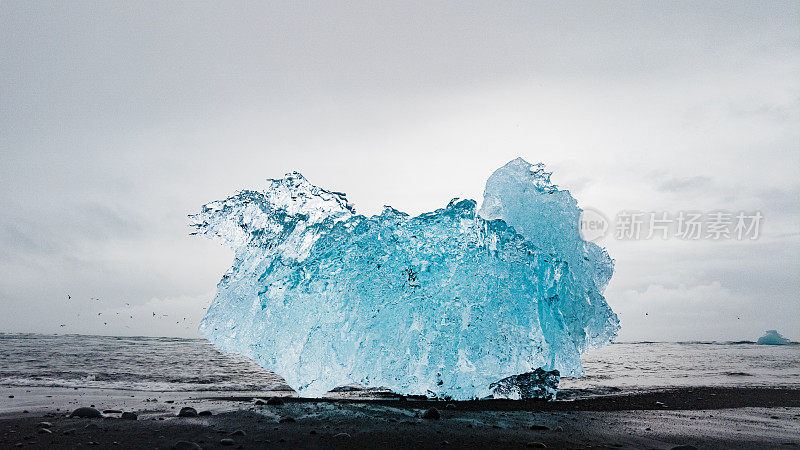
772, 337
456, 303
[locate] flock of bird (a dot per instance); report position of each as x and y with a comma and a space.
69, 297
117, 313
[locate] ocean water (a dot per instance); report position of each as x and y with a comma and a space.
642, 366
193, 365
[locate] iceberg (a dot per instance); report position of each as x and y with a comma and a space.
458, 303
772, 337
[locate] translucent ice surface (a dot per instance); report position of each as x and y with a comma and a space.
537, 384
443, 304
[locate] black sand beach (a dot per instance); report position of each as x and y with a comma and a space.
700, 417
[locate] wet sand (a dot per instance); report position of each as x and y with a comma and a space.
701, 417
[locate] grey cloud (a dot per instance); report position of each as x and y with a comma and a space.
684, 184
779, 113
98, 221
14, 239
786, 199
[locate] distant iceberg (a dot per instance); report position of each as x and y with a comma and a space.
772, 337
456, 303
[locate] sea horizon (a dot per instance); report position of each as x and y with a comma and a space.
719, 342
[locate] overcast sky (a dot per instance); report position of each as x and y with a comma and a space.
117, 119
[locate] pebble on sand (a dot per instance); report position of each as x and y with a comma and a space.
204, 413
260, 402
187, 411
127, 415
227, 442
431, 413
86, 413
274, 401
